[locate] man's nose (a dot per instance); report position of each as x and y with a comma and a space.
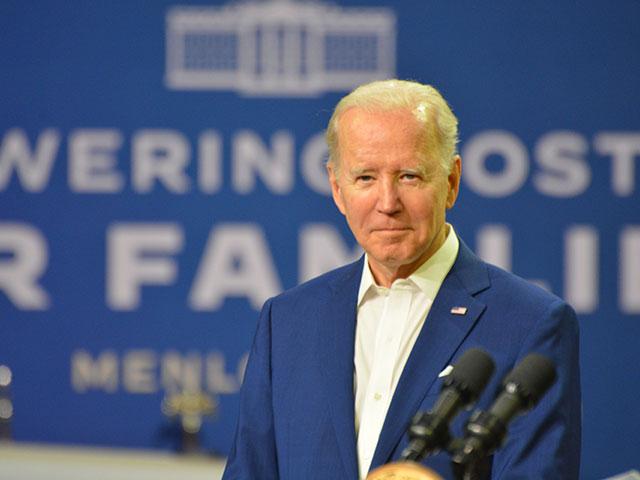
388, 197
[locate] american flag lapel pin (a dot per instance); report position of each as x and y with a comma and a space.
459, 310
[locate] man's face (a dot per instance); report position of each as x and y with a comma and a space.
393, 195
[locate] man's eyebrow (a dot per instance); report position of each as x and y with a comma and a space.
360, 170
414, 170
420, 168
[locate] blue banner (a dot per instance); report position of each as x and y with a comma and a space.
162, 174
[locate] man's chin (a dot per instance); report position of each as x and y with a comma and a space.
391, 261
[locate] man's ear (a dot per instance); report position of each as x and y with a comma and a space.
336, 191
454, 181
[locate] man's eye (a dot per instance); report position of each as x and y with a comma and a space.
409, 176
364, 178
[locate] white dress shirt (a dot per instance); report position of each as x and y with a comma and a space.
388, 323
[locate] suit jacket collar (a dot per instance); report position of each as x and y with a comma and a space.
442, 334
438, 341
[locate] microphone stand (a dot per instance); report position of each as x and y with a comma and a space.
469, 471
464, 467
477, 469
467, 464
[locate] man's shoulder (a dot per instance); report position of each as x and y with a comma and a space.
530, 304
507, 286
322, 286
521, 290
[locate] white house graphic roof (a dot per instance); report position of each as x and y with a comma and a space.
278, 48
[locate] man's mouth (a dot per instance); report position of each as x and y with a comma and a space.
390, 229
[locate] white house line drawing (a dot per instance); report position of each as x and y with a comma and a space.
278, 47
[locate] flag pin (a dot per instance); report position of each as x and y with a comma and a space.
459, 310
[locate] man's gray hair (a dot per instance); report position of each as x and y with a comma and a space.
424, 101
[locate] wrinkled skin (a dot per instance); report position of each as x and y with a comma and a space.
392, 191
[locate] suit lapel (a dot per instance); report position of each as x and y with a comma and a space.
337, 339
440, 337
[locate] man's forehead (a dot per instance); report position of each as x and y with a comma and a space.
363, 130
369, 159
359, 127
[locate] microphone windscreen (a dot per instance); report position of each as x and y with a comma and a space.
532, 377
471, 373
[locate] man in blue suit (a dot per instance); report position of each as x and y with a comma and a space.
340, 364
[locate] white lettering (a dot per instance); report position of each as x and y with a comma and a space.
27, 261
130, 262
92, 159
146, 371
160, 155
565, 172
581, 268
87, 373
218, 380
138, 371
236, 262
493, 245
322, 249
630, 270
32, 169
251, 157
624, 148
181, 373
210, 162
513, 173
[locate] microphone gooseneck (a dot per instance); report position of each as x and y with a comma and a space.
522, 388
429, 431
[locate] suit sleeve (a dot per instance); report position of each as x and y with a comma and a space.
545, 442
253, 453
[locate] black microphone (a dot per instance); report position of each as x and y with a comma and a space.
522, 389
429, 431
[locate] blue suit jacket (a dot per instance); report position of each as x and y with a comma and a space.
297, 403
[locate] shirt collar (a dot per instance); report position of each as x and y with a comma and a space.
428, 277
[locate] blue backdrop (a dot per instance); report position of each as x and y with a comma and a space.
161, 175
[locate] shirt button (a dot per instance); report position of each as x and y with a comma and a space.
377, 396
